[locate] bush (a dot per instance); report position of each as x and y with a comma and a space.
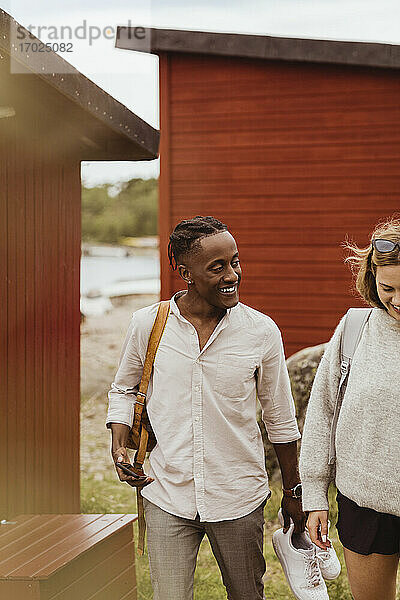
132, 212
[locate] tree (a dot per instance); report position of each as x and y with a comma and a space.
132, 212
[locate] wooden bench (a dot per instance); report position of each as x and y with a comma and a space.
67, 557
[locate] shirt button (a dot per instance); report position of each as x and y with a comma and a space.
197, 388
197, 419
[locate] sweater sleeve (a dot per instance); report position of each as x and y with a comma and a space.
315, 472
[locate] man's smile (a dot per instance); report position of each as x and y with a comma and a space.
228, 290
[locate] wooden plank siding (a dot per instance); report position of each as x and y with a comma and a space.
51, 119
165, 218
3, 316
294, 157
40, 210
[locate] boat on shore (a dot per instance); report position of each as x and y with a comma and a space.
128, 247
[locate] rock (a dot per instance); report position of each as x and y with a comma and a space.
302, 367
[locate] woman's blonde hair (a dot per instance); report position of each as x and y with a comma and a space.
364, 261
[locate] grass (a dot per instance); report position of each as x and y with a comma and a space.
110, 496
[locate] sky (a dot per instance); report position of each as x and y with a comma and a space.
132, 77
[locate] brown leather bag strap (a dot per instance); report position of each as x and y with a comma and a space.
152, 347
141, 522
141, 451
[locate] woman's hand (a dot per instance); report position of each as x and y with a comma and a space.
317, 525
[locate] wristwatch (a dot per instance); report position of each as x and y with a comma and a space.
294, 492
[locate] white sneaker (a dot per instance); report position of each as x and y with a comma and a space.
328, 560
329, 563
301, 567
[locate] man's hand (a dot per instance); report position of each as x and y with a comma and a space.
120, 455
317, 525
292, 509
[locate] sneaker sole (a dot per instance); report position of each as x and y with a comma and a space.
284, 566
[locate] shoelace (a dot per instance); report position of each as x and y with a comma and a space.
313, 573
322, 555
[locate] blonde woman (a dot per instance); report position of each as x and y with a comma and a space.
367, 469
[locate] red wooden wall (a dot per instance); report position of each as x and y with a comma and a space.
39, 343
294, 157
49, 122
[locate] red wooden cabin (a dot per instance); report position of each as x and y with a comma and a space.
295, 144
51, 118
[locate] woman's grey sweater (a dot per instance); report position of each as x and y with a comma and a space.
368, 431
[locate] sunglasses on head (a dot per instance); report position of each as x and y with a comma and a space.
385, 245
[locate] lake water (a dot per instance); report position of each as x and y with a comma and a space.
98, 272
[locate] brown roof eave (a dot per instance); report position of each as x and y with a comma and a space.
116, 120
259, 46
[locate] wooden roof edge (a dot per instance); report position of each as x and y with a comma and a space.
155, 41
70, 82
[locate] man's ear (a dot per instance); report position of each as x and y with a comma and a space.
185, 273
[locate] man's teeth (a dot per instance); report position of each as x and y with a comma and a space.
228, 290
396, 307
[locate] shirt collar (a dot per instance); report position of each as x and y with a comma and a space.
175, 310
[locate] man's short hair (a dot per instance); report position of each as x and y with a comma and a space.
187, 234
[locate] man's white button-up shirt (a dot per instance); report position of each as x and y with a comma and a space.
209, 458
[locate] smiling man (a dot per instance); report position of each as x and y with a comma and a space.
207, 471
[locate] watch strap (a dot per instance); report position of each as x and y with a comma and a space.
294, 492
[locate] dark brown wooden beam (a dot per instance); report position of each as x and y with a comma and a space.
87, 101
259, 46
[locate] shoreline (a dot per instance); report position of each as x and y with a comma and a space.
102, 337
